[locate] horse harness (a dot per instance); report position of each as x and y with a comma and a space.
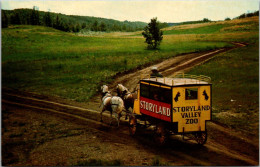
126, 95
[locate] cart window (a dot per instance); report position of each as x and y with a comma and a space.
144, 90
155, 93
166, 95
191, 94
160, 94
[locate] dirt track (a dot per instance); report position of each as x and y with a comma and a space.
92, 139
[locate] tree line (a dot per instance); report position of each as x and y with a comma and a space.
244, 15
68, 23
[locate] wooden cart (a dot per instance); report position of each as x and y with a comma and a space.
174, 106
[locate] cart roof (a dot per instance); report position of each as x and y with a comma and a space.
176, 81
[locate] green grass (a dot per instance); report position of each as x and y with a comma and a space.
235, 80
56, 63
200, 30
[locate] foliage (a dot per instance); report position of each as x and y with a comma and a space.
48, 20
152, 34
4, 20
206, 20
94, 26
244, 15
53, 62
34, 17
56, 63
69, 23
15, 18
190, 22
227, 19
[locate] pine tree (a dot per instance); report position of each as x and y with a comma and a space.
94, 27
4, 20
103, 27
15, 18
48, 19
84, 25
77, 28
57, 22
35, 19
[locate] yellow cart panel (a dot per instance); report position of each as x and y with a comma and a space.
191, 107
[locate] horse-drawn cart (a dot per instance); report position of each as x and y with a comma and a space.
174, 106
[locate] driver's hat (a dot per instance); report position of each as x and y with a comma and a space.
154, 68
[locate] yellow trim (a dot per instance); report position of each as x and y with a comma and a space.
145, 83
167, 87
155, 85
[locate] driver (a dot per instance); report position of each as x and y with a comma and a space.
155, 73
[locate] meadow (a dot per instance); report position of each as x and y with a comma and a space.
55, 63
235, 91
235, 80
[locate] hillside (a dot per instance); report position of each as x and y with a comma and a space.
43, 58
23, 16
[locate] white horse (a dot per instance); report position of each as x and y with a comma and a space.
127, 96
114, 104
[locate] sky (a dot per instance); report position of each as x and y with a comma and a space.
142, 10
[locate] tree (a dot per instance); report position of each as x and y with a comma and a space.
84, 25
35, 19
206, 20
57, 23
4, 20
152, 34
48, 19
103, 27
77, 28
227, 19
94, 26
242, 16
15, 18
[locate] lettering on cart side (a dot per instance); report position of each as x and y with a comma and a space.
192, 121
191, 115
191, 108
155, 108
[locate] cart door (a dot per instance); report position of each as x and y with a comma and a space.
191, 107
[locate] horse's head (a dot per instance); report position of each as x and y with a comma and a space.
104, 89
117, 89
121, 89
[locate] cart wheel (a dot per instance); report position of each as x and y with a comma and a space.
201, 137
160, 134
132, 125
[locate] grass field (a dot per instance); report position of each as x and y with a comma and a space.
55, 63
235, 80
